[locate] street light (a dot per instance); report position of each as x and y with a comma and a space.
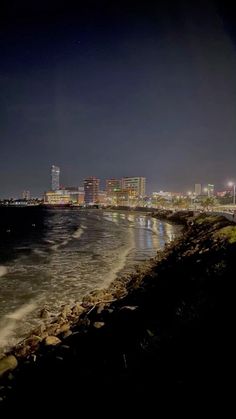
233, 185
206, 190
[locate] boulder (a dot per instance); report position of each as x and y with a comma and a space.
77, 309
98, 325
64, 328
100, 308
66, 311
8, 363
52, 341
44, 313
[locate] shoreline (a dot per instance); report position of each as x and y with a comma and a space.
111, 310
55, 323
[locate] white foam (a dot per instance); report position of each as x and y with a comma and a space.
121, 262
3, 270
11, 322
22, 311
78, 233
39, 252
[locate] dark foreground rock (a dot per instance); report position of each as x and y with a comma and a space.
166, 330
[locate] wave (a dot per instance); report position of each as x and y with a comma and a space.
39, 252
78, 233
121, 262
11, 322
56, 246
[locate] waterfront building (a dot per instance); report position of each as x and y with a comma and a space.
55, 178
102, 197
112, 186
80, 200
91, 190
126, 198
198, 189
136, 184
59, 197
75, 193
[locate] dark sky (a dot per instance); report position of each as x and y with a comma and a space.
116, 89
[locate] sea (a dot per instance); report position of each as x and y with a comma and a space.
55, 256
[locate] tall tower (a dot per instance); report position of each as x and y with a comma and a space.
55, 176
91, 189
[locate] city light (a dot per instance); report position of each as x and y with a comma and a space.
232, 184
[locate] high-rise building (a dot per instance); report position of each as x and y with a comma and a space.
112, 186
91, 190
55, 178
136, 184
198, 189
210, 189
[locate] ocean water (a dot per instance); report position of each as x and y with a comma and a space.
50, 257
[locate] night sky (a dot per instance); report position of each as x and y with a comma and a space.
114, 89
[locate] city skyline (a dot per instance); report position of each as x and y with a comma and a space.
54, 183
117, 89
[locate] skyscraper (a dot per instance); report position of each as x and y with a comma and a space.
210, 189
91, 190
136, 184
55, 176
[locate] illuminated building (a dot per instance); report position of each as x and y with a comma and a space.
198, 189
126, 197
210, 189
102, 197
136, 184
80, 200
112, 186
55, 178
76, 194
91, 189
58, 197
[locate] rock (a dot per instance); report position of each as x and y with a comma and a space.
64, 328
44, 313
95, 296
22, 351
77, 309
98, 325
52, 341
131, 308
38, 331
100, 308
66, 311
8, 363
52, 329
33, 341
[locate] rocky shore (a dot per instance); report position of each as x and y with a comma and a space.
165, 328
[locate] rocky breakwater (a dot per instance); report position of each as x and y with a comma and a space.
165, 327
